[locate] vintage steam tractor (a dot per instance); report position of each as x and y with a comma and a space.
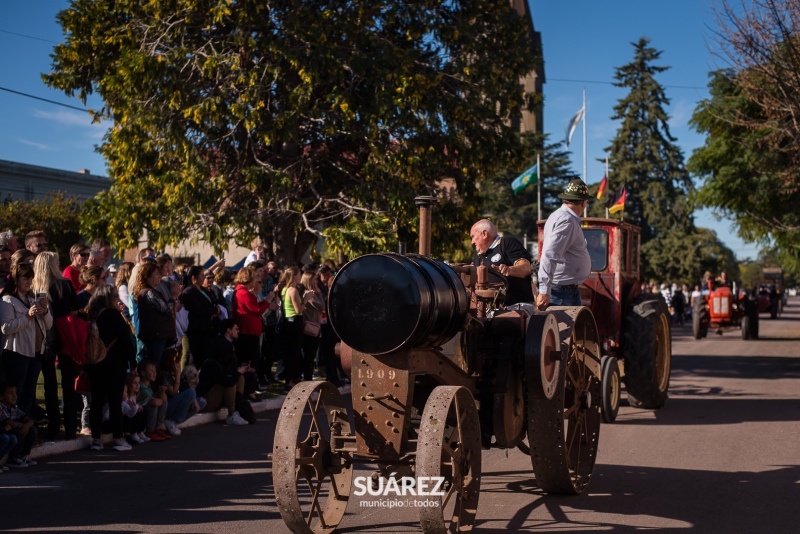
726, 308
633, 327
440, 370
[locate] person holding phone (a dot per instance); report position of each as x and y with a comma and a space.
55, 291
24, 321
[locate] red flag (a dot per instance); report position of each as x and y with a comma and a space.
602, 189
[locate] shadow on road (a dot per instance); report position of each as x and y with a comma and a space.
628, 497
716, 411
760, 367
152, 488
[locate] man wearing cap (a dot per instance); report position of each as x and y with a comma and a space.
564, 263
506, 255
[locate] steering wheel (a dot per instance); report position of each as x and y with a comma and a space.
497, 279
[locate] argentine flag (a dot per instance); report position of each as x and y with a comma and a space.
528, 177
573, 123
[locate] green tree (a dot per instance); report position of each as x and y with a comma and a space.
517, 214
643, 155
296, 121
56, 215
746, 179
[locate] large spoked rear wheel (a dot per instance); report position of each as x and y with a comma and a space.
564, 395
312, 480
449, 446
647, 352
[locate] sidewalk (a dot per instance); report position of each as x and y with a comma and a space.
51, 448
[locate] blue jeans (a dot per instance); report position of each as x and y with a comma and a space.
565, 296
178, 406
23, 372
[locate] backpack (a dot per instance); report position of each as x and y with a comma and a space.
96, 350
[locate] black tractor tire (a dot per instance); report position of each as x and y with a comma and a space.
610, 388
753, 325
773, 310
647, 352
747, 329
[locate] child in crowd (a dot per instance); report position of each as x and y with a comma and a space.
154, 401
83, 387
15, 422
180, 403
190, 377
133, 414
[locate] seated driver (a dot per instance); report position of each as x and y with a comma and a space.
507, 256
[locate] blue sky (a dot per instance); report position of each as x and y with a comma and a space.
583, 40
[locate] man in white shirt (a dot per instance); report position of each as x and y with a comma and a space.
258, 251
564, 263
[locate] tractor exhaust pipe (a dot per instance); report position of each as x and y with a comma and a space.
425, 204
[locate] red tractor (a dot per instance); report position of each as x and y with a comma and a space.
725, 308
633, 327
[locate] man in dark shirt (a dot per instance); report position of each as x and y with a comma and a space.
220, 376
507, 256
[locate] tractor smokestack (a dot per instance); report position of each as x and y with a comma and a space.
426, 205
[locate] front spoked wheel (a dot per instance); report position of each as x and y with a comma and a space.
449, 447
312, 478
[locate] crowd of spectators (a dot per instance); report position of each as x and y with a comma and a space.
142, 346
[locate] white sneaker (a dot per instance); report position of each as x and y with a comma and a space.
172, 428
142, 437
135, 438
121, 445
235, 419
4, 468
97, 445
29, 461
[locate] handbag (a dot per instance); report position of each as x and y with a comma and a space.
47, 353
311, 329
82, 383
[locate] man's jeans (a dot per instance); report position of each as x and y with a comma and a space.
565, 296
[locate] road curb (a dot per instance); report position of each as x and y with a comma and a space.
52, 448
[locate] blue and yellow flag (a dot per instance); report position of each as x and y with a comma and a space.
523, 180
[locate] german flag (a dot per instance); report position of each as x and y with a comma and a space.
602, 189
617, 202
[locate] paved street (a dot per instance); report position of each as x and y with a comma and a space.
722, 456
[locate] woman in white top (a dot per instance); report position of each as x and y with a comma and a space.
24, 321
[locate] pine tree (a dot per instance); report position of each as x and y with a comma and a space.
643, 154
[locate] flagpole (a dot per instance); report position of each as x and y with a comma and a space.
608, 183
584, 135
539, 186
